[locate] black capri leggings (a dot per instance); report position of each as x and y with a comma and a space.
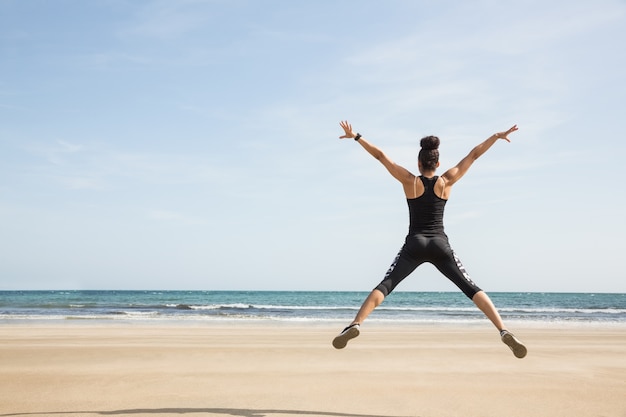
418, 249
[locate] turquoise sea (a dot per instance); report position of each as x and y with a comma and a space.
303, 306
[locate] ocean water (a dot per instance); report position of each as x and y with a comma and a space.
303, 306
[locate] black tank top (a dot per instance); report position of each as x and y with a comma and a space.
426, 211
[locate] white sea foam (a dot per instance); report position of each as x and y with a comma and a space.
303, 306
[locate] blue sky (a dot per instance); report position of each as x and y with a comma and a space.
194, 144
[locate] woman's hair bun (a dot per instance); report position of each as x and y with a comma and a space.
429, 143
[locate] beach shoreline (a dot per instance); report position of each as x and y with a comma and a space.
288, 369
335, 324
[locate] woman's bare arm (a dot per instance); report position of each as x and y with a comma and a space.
398, 172
454, 174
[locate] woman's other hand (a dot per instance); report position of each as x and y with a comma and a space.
347, 128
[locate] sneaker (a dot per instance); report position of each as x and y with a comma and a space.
348, 333
518, 348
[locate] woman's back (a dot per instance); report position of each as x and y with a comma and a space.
426, 211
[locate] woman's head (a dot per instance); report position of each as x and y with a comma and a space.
428, 156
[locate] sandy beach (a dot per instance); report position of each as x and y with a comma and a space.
250, 370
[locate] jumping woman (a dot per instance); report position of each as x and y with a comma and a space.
426, 241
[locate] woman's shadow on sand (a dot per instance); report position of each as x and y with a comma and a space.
237, 412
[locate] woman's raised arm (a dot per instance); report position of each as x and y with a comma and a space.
456, 173
398, 172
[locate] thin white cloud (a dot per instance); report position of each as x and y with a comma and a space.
114, 59
175, 217
78, 183
12, 107
158, 168
168, 20
69, 147
77, 166
556, 22
55, 152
